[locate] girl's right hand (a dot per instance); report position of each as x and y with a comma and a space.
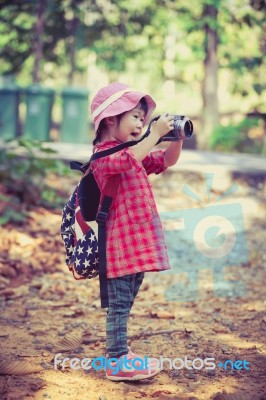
163, 125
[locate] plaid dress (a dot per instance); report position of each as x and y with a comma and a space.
135, 239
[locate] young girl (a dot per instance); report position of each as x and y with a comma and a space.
135, 240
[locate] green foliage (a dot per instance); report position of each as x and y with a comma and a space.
23, 179
226, 138
17, 21
152, 41
11, 210
235, 137
118, 31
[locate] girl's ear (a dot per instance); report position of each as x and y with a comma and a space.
110, 121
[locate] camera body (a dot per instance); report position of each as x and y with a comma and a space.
183, 129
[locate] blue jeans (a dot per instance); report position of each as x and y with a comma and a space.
122, 292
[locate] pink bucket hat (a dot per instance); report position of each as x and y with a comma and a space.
116, 99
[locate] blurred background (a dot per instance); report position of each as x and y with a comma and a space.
202, 58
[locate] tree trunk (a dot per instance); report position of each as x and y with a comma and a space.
72, 25
210, 113
71, 49
38, 30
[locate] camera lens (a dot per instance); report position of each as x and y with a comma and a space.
188, 129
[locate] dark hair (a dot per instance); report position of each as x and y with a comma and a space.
142, 105
102, 125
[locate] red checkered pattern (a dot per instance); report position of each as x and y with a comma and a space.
135, 239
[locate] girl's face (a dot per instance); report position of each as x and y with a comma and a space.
130, 125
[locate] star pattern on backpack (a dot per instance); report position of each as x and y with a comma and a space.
79, 239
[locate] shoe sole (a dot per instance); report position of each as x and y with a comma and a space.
138, 377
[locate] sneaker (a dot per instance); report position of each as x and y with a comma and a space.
126, 369
152, 361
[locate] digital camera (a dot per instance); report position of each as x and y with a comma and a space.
183, 129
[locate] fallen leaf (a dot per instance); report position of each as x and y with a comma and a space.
158, 393
136, 395
162, 315
72, 342
9, 367
7, 293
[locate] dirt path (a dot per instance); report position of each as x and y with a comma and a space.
45, 312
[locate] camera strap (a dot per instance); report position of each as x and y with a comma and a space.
83, 167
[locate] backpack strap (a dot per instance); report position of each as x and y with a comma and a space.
109, 194
76, 165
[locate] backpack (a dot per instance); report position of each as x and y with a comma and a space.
75, 231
